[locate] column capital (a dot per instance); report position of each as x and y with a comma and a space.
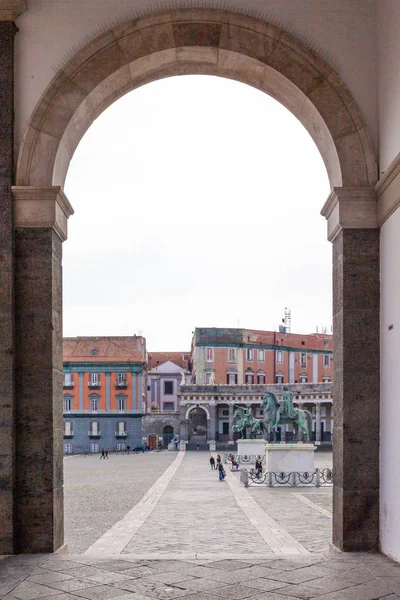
41, 207
11, 9
350, 208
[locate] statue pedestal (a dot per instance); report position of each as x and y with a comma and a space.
212, 446
250, 447
286, 458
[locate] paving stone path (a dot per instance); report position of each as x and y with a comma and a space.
194, 537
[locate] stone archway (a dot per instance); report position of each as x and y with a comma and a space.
247, 50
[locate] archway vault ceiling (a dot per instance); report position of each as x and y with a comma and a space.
198, 41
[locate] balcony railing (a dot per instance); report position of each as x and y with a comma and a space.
94, 434
68, 385
94, 385
121, 384
121, 434
69, 434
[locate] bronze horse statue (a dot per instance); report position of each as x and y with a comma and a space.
274, 416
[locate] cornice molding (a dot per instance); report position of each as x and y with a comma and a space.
388, 191
350, 208
42, 207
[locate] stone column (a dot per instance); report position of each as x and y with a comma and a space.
317, 422
7, 339
230, 423
352, 227
183, 433
212, 422
40, 220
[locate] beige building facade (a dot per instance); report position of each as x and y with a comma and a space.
335, 67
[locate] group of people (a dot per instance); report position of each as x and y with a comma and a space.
217, 464
104, 454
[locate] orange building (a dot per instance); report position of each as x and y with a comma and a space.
104, 391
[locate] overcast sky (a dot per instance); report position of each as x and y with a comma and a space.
197, 204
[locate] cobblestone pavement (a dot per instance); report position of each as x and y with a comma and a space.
98, 493
71, 577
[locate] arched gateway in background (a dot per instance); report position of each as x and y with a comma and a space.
124, 57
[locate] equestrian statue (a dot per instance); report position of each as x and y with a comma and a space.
244, 418
279, 414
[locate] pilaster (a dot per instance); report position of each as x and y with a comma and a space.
40, 228
7, 337
352, 226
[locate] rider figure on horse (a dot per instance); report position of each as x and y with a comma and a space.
286, 408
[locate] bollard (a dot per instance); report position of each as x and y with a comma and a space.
317, 478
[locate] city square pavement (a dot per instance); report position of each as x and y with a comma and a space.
192, 536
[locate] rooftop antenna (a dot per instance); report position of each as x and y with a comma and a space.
288, 319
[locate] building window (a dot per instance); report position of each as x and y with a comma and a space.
261, 355
67, 428
121, 447
121, 428
94, 428
94, 447
279, 378
249, 377
67, 448
168, 388
326, 343
225, 413
68, 380
232, 355
303, 359
94, 403
121, 380
279, 356
210, 355
94, 380
121, 403
231, 378
261, 378
303, 378
169, 406
67, 403
327, 360
249, 354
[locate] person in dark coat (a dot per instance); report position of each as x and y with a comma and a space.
221, 471
212, 462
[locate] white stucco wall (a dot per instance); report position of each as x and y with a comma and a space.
342, 31
390, 400
389, 81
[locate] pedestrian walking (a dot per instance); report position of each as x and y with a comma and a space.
218, 460
197, 447
212, 462
106, 453
221, 472
102, 454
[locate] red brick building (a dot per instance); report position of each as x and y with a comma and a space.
245, 356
